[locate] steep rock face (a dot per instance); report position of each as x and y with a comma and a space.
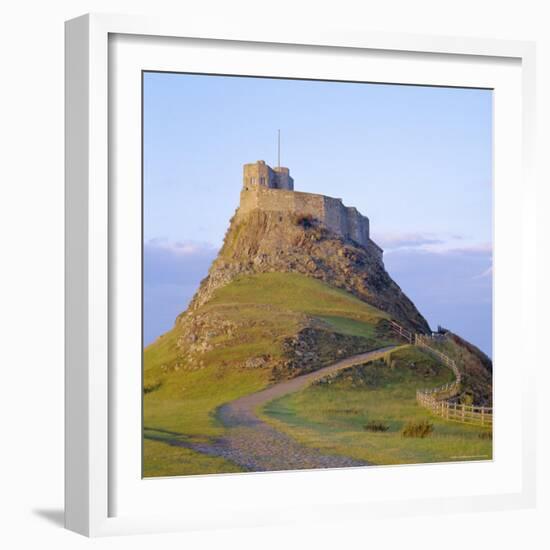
261, 242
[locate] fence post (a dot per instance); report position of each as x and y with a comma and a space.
482, 415
463, 411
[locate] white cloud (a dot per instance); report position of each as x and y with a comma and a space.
392, 241
431, 243
178, 263
185, 248
476, 248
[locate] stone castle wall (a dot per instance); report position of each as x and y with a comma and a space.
279, 200
343, 220
346, 220
272, 189
359, 226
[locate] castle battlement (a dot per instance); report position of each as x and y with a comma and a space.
272, 189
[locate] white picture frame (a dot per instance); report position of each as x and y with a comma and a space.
93, 221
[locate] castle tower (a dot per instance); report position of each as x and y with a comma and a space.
259, 174
284, 181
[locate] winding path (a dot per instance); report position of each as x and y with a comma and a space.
257, 446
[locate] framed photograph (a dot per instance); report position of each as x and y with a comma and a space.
297, 275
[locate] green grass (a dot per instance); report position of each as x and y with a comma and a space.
162, 351
345, 325
295, 293
182, 410
162, 459
332, 417
180, 403
185, 403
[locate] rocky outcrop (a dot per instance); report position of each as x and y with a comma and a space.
311, 346
267, 241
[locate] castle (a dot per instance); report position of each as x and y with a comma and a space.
272, 189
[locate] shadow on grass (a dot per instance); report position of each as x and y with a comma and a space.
162, 431
174, 439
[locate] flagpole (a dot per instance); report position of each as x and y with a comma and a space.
278, 148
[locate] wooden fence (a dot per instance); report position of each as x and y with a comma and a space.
424, 342
438, 400
402, 332
458, 412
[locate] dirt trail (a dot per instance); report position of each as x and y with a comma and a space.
257, 446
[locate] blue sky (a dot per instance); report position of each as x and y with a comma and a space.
416, 160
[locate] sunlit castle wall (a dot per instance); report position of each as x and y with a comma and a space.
271, 190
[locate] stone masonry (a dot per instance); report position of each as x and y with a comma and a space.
272, 189
259, 174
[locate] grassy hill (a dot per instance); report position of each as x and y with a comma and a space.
254, 330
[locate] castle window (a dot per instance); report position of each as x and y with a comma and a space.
262, 181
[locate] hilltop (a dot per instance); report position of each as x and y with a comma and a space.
286, 242
277, 229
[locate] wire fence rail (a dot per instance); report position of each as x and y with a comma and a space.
439, 400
